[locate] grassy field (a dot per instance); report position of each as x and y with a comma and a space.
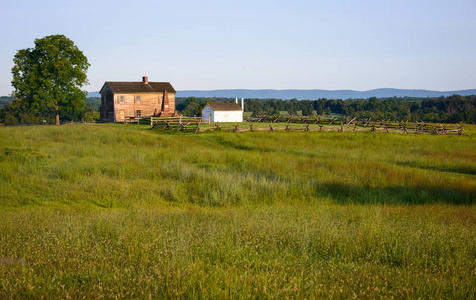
120, 210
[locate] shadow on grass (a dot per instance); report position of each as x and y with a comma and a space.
449, 169
344, 193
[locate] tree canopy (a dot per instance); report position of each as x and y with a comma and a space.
50, 76
452, 109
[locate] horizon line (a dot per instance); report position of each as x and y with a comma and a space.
294, 89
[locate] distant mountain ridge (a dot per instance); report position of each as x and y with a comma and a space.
315, 94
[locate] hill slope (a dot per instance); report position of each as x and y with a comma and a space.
316, 94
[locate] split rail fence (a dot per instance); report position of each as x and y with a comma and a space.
178, 123
346, 124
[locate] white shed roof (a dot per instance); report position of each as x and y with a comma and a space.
224, 106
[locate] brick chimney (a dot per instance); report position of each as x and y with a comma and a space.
145, 79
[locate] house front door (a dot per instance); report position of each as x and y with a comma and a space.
122, 117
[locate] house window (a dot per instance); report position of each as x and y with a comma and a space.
138, 113
138, 99
122, 99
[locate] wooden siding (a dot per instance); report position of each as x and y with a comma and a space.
111, 108
107, 106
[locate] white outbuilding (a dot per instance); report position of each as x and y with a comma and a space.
223, 112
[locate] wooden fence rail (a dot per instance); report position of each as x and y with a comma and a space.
132, 120
199, 124
171, 122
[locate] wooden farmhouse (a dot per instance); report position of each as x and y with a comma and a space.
223, 112
122, 101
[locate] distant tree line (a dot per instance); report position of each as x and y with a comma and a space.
452, 109
4, 100
14, 112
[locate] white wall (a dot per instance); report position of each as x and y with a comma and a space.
222, 116
228, 116
207, 111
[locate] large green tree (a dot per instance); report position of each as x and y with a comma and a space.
50, 76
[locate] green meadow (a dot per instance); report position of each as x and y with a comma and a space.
112, 210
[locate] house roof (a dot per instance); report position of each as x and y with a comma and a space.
224, 106
125, 87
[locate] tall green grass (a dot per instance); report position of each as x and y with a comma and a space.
122, 166
280, 251
123, 211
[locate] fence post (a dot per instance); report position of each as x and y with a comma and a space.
373, 129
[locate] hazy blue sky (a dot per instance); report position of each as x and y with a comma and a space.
257, 44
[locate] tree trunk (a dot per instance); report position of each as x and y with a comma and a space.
57, 116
